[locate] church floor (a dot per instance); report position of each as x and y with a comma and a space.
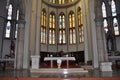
26, 73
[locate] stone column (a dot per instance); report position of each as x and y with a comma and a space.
94, 37
33, 25
26, 57
19, 46
100, 32
84, 12
37, 36
101, 44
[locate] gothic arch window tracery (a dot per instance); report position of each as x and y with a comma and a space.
107, 19
111, 23
72, 31
52, 28
80, 26
8, 25
43, 27
62, 30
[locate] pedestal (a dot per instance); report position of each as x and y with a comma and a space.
35, 62
106, 66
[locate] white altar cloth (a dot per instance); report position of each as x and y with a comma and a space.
62, 58
51, 59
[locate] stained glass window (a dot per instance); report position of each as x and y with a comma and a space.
43, 27
114, 19
16, 30
115, 25
8, 29
113, 7
105, 25
8, 25
80, 26
72, 31
104, 10
52, 28
62, 31
53, 1
61, 1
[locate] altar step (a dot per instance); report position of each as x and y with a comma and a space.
87, 67
61, 71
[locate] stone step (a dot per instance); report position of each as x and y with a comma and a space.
87, 67
56, 70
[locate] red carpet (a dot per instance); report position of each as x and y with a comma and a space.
104, 78
72, 64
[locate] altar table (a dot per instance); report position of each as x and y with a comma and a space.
51, 59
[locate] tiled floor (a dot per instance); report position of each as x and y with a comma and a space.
91, 73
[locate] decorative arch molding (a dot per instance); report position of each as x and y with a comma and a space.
60, 5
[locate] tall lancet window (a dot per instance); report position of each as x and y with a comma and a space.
52, 28
8, 25
43, 27
115, 25
113, 7
80, 26
53, 1
114, 14
17, 24
104, 16
72, 31
104, 10
105, 25
62, 31
61, 1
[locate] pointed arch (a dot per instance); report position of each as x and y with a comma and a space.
62, 31
52, 28
113, 8
9, 18
80, 25
72, 31
104, 10
115, 25
43, 26
105, 24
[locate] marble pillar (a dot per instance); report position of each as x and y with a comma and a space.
26, 57
100, 32
101, 42
94, 37
19, 46
36, 55
37, 36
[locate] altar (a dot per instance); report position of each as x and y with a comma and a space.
52, 69
59, 60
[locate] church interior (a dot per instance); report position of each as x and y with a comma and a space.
59, 38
